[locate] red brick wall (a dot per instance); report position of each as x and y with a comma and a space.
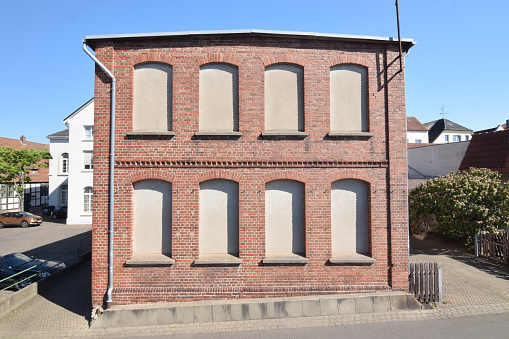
252, 161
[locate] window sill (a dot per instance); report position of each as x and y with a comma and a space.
284, 134
150, 135
351, 259
350, 134
150, 259
217, 135
219, 259
87, 140
285, 259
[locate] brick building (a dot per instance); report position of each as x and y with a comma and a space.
250, 164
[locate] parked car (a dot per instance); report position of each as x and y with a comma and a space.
37, 269
23, 219
59, 213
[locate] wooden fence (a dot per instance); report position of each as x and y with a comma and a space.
493, 246
425, 282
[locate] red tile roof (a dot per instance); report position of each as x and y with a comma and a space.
43, 173
489, 150
412, 124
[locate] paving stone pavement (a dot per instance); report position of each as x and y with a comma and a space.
471, 287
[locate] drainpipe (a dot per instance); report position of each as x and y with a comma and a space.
112, 167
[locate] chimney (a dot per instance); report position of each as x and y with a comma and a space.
23, 140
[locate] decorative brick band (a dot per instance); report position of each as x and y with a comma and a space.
250, 164
350, 59
284, 58
223, 58
153, 57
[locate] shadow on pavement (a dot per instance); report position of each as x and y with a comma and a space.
430, 247
60, 247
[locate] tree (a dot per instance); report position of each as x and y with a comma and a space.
15, 166
463, 203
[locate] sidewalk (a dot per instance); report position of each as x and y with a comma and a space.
471, 287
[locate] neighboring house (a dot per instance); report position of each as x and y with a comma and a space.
443, 131
250, 164
415, 131
71, 169
494, 129
489, 150
428, 161
36, 190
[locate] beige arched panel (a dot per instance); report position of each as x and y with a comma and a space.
219, 217
284, 217
219, 98
152, 217
349, 217
152, 97
284, 98
349, 98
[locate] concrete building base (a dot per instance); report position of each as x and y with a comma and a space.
253, 309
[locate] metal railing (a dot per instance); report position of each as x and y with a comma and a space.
74, 256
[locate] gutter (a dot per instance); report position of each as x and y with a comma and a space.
111, 175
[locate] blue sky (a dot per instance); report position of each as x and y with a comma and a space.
460, 60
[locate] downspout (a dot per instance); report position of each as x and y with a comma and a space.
112, 167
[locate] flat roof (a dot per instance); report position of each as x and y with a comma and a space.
406, 43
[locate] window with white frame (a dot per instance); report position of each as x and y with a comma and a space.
87, 199
88, 160
456, 138
63, 194
467, 137
64, 163
446, 138
88, 132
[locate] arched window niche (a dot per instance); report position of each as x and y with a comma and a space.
152, 99
219, 100
152, 224
284, 101
350, 222
219, 223
349, 111
285, 236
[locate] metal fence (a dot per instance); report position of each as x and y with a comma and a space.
425, 282
493, 246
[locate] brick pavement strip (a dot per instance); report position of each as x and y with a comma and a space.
471, 287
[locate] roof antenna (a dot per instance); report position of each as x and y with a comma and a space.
442, 113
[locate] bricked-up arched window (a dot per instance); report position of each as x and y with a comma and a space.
350, 218
219, 98
284, 221
152, 217
219, 221
284, 98
349, 98
152, 97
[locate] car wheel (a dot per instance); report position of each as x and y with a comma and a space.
24, 224
54, 216
21, 283
1, 224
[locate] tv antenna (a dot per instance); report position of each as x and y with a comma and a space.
442, 113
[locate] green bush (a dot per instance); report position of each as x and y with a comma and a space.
463, 204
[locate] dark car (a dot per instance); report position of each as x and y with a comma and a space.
37, 269
23, 219
59, 213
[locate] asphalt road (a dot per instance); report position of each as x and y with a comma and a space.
45, 241
481, 326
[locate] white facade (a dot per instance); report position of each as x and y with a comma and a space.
420, 137
453, 136
71, 169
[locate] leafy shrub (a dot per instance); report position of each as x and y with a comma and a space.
463, 203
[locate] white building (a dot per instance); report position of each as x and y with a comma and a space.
443, 131
415, 131
71, 169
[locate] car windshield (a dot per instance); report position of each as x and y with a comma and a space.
25, 214
16, 259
